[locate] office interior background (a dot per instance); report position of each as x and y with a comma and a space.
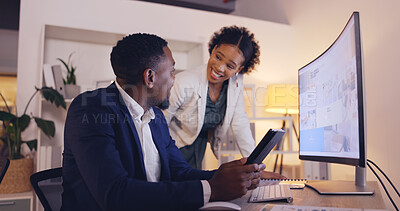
291, 33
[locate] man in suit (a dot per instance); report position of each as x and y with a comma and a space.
118, 154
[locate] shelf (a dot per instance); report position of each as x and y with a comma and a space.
69, 100
258, 116
270, 118
82, 35
22, 195
66, 100
283, 152
107, 38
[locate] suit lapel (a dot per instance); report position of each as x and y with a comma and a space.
158, 138
137, 142
127, 116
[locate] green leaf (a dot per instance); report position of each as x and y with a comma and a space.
73, 70
73, 79
10, 128
65, 64
32, 144
10, 125
46, 126
6, 116
53, 96
70, 70
24, 121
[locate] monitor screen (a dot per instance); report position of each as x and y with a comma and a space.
331, 114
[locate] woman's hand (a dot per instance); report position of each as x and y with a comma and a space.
271, 175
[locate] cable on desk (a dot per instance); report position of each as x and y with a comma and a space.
384, 187
387, 178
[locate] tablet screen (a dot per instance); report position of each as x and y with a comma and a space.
265, 146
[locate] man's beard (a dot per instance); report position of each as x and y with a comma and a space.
164, 104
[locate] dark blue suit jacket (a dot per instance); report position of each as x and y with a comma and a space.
103, 166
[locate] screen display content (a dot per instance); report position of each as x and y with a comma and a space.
329, 101
331, 111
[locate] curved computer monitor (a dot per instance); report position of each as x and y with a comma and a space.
331, 106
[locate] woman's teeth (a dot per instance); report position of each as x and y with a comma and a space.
215, 74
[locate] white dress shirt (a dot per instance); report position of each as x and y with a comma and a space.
151, 156
141, 120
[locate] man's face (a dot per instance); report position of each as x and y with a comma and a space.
164, 79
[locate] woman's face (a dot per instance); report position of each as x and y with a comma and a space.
225, 61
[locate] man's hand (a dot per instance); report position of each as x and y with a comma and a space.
233, 179
257, 176
271, 175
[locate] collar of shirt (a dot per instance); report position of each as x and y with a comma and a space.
136, 111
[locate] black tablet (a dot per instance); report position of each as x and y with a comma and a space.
265, 146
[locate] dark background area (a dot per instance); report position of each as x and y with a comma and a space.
9, 14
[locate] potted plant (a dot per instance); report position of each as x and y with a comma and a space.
71, 89
20, 169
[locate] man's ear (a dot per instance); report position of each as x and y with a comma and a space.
148, 77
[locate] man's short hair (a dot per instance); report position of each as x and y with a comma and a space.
134, 54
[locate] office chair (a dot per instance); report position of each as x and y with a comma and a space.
48, 188
4, 163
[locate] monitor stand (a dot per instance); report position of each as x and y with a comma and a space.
332, 187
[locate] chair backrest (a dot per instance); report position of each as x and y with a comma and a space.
4, 163
48, 188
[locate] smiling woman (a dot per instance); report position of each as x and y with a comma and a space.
206, 103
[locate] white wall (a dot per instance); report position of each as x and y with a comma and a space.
316, 24
269, 10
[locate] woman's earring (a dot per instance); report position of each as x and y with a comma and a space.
236, 76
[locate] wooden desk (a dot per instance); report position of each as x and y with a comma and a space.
309, 197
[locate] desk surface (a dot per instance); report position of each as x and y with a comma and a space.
309, 197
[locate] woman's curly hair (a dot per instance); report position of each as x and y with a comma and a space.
241, 37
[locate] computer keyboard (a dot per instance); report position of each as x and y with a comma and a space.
271, 193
